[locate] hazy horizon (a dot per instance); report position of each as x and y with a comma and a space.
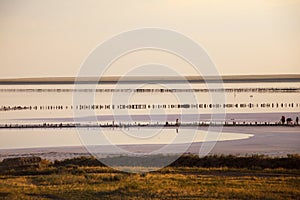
53, 38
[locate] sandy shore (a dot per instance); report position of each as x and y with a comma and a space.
272, 141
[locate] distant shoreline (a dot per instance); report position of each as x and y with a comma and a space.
167, 125
152, 79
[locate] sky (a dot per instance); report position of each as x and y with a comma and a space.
53, 38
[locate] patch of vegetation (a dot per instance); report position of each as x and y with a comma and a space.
228, 177
249, 162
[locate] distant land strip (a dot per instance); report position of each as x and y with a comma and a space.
153, 79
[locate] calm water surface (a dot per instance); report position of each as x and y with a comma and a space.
38, 104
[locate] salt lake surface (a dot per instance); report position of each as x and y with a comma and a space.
42, 104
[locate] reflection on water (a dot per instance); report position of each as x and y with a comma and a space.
39, 104
26, 138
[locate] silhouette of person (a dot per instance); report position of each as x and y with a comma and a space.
283, 119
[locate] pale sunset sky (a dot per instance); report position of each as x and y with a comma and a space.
53, 37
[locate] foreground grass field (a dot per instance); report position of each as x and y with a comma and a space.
70, 181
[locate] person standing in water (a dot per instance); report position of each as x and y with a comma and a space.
282, 119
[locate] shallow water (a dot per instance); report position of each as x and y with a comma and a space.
251, 102
11, 139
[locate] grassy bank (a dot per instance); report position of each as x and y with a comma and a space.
86, 178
